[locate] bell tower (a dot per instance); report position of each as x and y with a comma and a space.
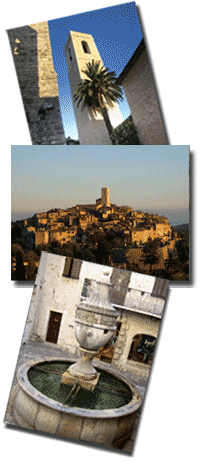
80, 49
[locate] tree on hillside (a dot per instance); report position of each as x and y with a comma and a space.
104, 252
174, 267
31, 269
15, 248
98, 92
182, 248
15, 233
177, 263
151, 254
87, 255
96, 237
19, 274
43, 248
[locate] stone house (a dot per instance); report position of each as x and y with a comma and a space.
141, 235
61, 235
162, 229
139, 299
138, 84
40, 219
41, 237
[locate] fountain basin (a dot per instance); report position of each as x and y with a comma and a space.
104, 425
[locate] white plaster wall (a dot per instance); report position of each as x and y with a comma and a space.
58, 294
142, 282
35, 300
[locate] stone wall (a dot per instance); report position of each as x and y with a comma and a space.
32, 54
139, 87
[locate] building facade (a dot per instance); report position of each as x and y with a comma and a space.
60, 285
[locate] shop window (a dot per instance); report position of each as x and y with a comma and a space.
142, 348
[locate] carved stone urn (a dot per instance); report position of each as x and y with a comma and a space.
95, 322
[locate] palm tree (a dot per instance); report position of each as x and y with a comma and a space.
98, 91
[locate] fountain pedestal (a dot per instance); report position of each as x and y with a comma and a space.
82, 371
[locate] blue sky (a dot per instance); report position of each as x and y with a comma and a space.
147, 178
117, 33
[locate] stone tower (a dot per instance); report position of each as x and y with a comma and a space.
32, 54
80, 48
105, 196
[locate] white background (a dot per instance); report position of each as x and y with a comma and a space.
170, 421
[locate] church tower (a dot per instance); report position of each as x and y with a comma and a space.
80, 49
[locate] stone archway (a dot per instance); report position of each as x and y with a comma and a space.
142, 348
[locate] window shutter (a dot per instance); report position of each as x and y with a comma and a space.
119, 280
67, 267
160, 288
76, 268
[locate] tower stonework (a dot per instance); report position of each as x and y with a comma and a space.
105, 196
80, 49
32, 54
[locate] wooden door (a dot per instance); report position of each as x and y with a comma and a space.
53, 326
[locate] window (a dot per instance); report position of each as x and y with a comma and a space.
160, 288
16, 49
120, 281
70, 55
72, 268
85, 46
86, 288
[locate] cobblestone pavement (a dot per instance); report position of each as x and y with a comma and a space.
37, 350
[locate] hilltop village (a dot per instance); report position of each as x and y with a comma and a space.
101, 232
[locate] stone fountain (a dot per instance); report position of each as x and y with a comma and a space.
74, 400
95, 323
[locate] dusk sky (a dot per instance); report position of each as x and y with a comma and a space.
116, 32
147, 178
